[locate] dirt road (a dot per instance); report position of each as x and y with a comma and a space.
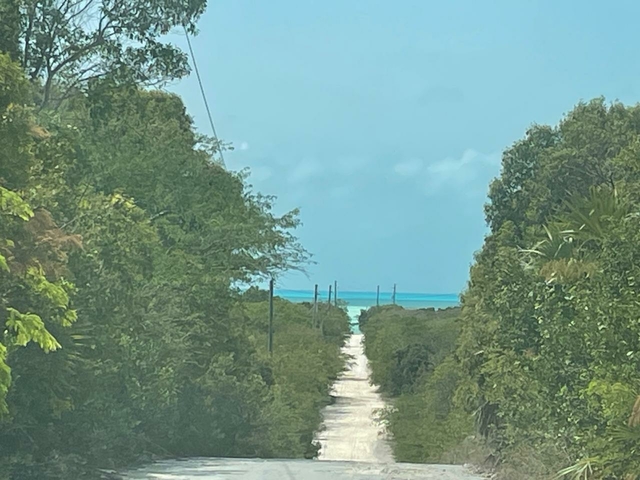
351, 430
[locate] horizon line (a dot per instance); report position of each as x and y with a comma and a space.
366, 291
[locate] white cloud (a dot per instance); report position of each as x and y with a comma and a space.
304, 171
244, 146
409, 168
470, 172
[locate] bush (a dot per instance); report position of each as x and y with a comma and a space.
410, 353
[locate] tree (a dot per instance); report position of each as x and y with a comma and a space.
411, 362
34, 296
194, 201
123, 244
68, 43
549, 344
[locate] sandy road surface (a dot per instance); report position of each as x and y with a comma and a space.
351, 431
255, 469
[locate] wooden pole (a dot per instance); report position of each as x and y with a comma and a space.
270, 334
335, 293
378, 296
329, 294
315, 306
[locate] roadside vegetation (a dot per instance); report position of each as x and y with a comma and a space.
547, 359
550, 341
123, 245
411, 357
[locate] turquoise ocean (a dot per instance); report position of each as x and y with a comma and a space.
357, 301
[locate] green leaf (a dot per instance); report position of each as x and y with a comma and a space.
29, 327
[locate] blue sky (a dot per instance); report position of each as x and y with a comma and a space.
385, 121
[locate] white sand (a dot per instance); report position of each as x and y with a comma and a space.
351, 430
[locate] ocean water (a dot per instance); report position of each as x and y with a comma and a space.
357, 301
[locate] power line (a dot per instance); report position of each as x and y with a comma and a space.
204, 97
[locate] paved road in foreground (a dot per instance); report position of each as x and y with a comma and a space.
352, 445
253, 469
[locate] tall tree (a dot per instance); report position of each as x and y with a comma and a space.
34, 296
67, 43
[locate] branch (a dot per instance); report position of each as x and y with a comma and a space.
158, 215
76, 56
70, 90
81, 10
27, 40
99, 39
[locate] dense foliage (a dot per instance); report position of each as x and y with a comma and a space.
124, 333
410, 354
66, 44
550, 340
548, 353
305, 363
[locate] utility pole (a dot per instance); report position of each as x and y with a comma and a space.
329, 294
394, 294
315, 306
335, 293
378, 296
270, 335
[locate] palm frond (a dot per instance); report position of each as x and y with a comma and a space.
558, 244
581, 470
588, 215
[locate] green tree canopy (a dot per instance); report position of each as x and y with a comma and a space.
67, 43
550, 339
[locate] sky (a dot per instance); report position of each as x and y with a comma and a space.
384, 121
